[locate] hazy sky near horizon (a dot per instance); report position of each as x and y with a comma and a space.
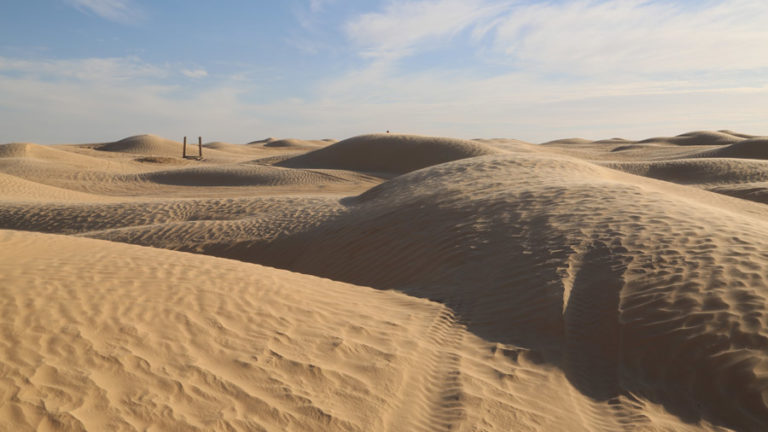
239, 70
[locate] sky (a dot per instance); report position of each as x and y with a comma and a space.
74, 71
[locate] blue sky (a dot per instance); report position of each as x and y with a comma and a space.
238, 70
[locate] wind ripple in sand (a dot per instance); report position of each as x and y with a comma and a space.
576, 297
747, 179
683, 318
104, 336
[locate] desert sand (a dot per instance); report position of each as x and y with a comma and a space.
386, 282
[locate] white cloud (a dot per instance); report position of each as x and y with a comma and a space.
108, 69
77, 111
195, 73
318, 5
577, 37
635, 36
403, 26
518, 105
592, 67
123, 11
597, 69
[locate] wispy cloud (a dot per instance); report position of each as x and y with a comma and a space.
531, 70
586, 60
402, 27
122, 11
110, 69
576, 37
194, 73
318, 5
635, 36
452, 103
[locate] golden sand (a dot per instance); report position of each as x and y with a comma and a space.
386, 283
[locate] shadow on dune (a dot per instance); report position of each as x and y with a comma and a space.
622, 289
629, 285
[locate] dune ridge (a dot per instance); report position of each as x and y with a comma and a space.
697, 138
752, 148
295, 143
388, 153
144, 144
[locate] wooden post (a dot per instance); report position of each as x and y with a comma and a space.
184, 149
200, 147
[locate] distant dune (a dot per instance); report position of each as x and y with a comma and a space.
697, 138
389, 153
144, 144
294, 143
752, 148
386, 283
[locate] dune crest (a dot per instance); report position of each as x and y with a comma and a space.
389, 153
751, 148
144, 144
696, 138
295, 143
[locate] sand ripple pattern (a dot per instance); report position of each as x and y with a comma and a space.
625, 283
516, 288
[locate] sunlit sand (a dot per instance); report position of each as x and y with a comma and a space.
386, 282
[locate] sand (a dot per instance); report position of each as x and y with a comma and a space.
386, 283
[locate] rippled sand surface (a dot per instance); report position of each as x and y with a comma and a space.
386, 283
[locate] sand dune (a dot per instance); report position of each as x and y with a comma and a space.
701, 144
507, 144
119, 337
228, 147
295, 143
57, 154
697, 138
737, 134
752, 148
699, 171
18, 189
272, 142
144, 144
388, 153
493, 285
147, 165
26, 150
153, 145
239, 175
162, 340
620, 282
567, 141
729, 169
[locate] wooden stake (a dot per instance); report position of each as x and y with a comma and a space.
200, 147
184, 149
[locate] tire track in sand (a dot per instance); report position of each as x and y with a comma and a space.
432, 396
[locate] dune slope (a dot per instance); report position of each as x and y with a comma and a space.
631, 286
145, 144
697, 138
753, 148
595, 286
389, 153
103, 336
